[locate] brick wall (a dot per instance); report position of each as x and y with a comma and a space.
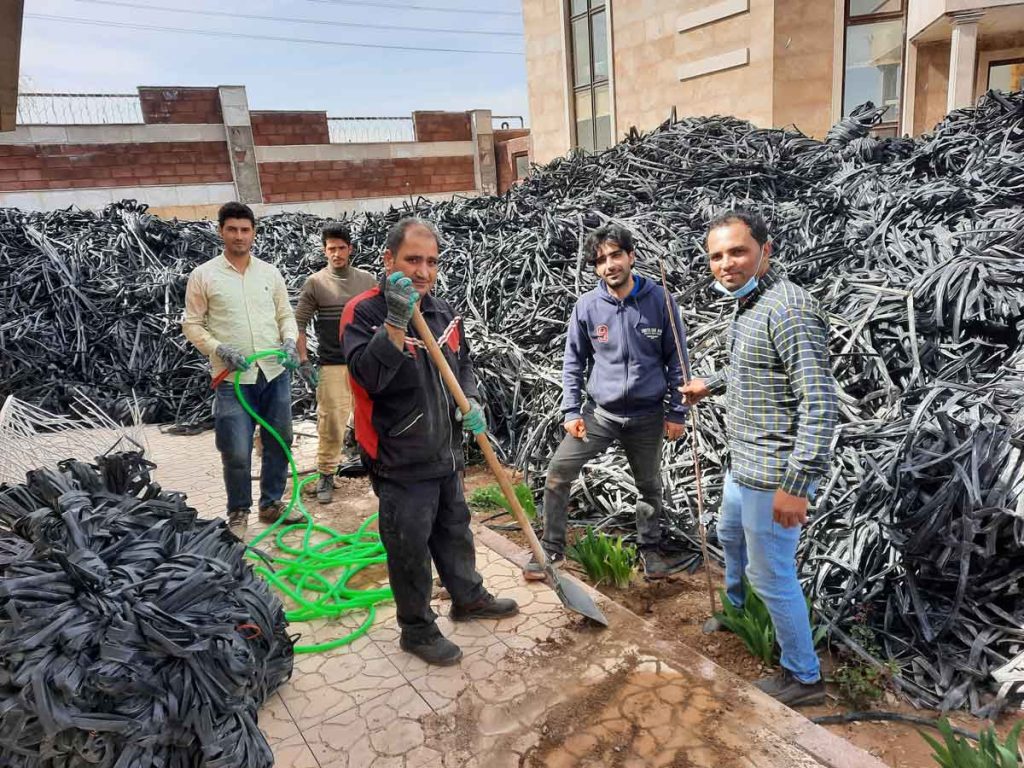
510, 133
505, 152
66, 166
272, 128
180, 105
442, 126
347, 179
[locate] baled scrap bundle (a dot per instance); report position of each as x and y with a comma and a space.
914, 248
132, 634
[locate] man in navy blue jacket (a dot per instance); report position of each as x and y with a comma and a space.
622, 333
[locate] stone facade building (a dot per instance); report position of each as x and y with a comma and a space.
598, 67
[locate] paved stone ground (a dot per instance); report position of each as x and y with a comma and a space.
541, 688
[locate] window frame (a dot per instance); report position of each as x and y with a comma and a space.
515, 164
999, 63
874, 18
590, 88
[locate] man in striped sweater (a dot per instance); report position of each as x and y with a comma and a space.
323, 297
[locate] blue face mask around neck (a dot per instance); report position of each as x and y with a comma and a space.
747, 288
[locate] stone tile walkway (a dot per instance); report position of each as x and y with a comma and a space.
539, 689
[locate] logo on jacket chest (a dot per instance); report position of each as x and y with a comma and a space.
601, 333
652, 333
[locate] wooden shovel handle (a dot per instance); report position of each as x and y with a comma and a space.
452, 382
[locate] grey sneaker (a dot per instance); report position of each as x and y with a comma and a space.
785, 688
325, 489
238, 522
534, 571
655, 566
713, 625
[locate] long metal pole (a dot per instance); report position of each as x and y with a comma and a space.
684, 362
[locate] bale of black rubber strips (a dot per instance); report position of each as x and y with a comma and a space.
132, 633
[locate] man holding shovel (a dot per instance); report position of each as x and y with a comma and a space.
621, 331
409, 432
781, 415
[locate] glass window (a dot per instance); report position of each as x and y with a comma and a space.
602, 117
581, 50
522, 165
873, 7
591, 67
1006, 76
874, 54
584, 121
599, 43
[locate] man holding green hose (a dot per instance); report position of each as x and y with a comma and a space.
236, 304
408, 430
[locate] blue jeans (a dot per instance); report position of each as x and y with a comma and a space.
757, 546
234, 428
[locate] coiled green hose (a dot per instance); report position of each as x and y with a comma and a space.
315, 575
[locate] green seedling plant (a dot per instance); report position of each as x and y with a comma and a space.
606, 559
752, 623
491, 497
956, 752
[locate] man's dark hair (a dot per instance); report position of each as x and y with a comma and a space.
235, 210
754, 221
336, 231
396, 235
609, 233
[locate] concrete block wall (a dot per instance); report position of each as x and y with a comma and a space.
182, 106
287, 128
442, 126
186, 159
70, 166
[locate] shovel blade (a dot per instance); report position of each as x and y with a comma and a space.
576, 598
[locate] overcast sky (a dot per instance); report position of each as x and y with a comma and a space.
62, 56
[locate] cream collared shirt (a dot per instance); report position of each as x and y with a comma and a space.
248, 311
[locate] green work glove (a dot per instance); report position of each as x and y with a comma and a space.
291, 362
474, 421
401, 299
309, 374
232, 358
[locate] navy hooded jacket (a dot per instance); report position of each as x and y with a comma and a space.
630, 351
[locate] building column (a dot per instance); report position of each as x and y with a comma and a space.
485, 167
241, 147
963, 58
11, 15
909, 98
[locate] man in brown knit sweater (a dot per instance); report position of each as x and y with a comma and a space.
324, 296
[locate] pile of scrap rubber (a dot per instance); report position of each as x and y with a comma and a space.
131, 633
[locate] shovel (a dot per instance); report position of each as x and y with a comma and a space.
572, 595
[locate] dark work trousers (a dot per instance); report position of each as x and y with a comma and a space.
641, 438
420, 520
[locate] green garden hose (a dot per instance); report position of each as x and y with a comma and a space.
315, 575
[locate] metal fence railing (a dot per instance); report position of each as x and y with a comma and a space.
353, 130
79, 109
504, 122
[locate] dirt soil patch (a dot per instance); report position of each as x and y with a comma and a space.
677, 607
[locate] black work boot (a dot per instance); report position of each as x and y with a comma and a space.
534, 571
238, 521
487, 607
785, 688
325, 489
275, 510
655, 566
440, 650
